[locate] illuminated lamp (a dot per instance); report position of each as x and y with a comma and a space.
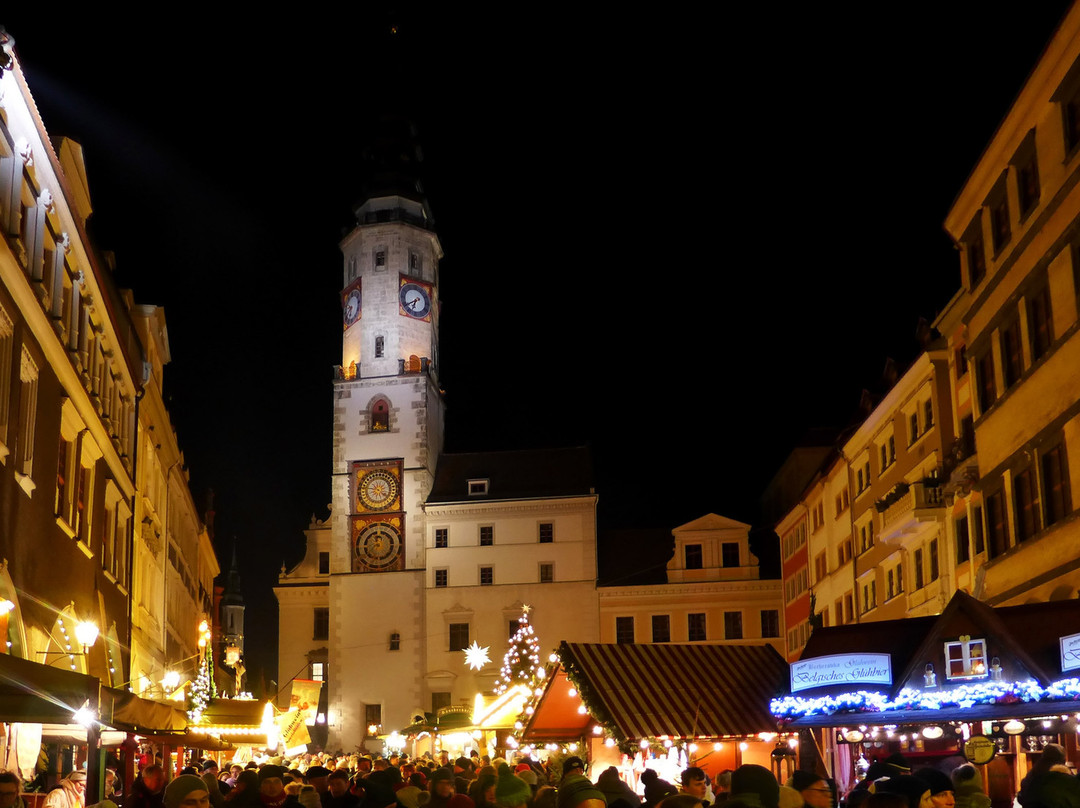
597, 729
853, 735
609, 742
932, 732
571, 692
86, 633
232, 656
1014, 727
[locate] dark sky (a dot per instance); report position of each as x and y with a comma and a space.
680, 237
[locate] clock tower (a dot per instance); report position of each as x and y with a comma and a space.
388, 433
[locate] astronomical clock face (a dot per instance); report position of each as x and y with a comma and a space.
377, 486
376, 545
350, 304
414, 297
377, 489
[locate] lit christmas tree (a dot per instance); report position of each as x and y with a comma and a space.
521, 665
202, 690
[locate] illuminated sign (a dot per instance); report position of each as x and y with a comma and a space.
1070, 652
842, 669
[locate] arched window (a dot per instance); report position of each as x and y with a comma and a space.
413, 365
380, 415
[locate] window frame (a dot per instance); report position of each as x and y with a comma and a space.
697, 628
624, 629
458, 636
663, 622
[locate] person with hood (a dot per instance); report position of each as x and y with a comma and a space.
914, 790
656, 789
578, 791
1050, 784
753, 786
510, 790
186, 791
615, 790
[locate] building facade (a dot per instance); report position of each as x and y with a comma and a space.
432, 552
714, 594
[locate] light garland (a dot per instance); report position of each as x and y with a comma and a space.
521, 665
966, 695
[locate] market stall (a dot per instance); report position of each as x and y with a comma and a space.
990, 685
660, 706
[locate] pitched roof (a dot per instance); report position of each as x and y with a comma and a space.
526, 474
689, 690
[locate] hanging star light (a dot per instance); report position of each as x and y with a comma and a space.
476, 657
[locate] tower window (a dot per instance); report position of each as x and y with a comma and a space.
380, 343
415, 262
380, 416
324, 563
321, 629
380, 258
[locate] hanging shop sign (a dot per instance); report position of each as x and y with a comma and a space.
979, 749
1070, 652
840, 669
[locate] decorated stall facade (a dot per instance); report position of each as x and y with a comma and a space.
992, 685
660, 706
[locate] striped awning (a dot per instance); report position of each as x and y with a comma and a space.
703, 691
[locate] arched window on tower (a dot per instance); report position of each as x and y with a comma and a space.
413, 365
379, 345
380, 416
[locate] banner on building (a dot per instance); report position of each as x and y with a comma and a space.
305, 699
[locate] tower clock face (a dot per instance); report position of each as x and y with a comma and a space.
378, 546
377, 489
415, 299
352, 307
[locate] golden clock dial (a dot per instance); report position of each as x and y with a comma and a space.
378, 546
377, 489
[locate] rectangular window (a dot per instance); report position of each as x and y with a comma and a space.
821, 567
963, 549
440, 579
770, 623
984, 377
318, 671
321, 629
695, 627
966, 659
935, 570
7, 349
459, 636
1024, 505
729, 554
478, 488
1011, 356
28, 393
1055, 484
849, 608
547, 573
1000, 229
487, 536
1040, 321
395, 641
890, 585
980, 536
976, 252
995, 524
442, 538
380, 258
487, 576
324, 563
732, 625
547, 532
693, 556
624, 629
440, 699
928, 415
661, 628
512, 628
1027, 175
913, 428
838, 612
918, 564
372, 716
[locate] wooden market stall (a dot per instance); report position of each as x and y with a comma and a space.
992, 685
662, 706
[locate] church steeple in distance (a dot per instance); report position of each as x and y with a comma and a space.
232, 606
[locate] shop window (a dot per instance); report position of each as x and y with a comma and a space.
624, 629
692, 554
661, 628
966, 658
459, 636
695, 626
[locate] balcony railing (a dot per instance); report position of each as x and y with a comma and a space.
906, 506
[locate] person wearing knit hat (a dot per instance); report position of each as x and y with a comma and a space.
914, 790
891, 766
510, 790
754, 786
577, 790
187, 791
967, 788
441, 788
941, 786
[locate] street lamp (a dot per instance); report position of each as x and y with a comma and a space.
86, 633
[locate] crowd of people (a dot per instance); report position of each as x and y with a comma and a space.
359, 781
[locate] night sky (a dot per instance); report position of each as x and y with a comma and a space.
681, 238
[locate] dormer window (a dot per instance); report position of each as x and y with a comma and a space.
966, 658
478, 488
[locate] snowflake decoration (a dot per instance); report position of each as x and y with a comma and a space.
476, 657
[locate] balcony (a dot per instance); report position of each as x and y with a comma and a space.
960, 467
910, 512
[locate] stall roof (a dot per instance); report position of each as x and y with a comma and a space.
653, 690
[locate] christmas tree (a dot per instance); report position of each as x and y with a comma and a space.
522, 660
